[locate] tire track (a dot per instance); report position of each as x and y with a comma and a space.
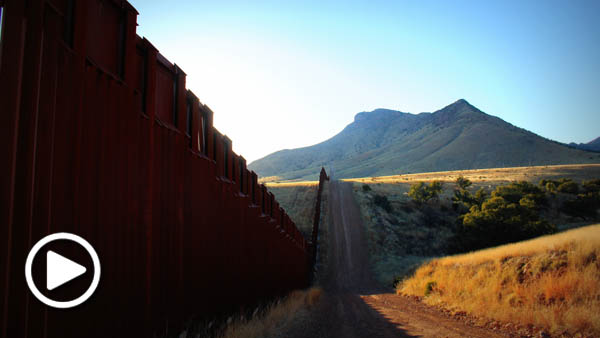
353, 304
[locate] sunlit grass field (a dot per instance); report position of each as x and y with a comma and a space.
551, 282
577, 172
298, 199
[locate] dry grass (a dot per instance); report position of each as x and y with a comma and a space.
291, 184
577, 172
399, 241
277, 317
268, 179
551, 282
298, 200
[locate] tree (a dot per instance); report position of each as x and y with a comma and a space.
418, 192
591, 186
480, 196
435, 188
513, 193
510, 214
551, 188
463, 183
568, 187
463, 199
422, 193
563, 185
383, 202
584, 205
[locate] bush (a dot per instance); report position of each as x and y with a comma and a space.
383, 202
463, 196
564, 185
418, 192
558, 182
584, 205
511, 214
464, 200
569, 187
480, 196
422, 193
366, 188
551, 187
463, 183
515, 191
591, 186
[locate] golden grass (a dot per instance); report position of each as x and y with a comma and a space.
298, 200
268, 179
277, 317
552, 282
287, 184
577, 172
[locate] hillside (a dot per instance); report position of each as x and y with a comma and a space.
593, 145
403, 237
387, 142
549, 282
298, 200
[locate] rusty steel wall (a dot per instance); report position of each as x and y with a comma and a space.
313, 245
101, 138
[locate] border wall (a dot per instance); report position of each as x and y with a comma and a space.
101, 138
316, 222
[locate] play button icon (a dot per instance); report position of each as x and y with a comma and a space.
61, 270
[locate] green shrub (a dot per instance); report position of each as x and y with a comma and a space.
463, 197
366, 188
511, 214
383, 202
564, 185
544, 182
464, 200
569, 187
463, 183
418, 192
515, 191
480, 196
591, 186
422, 193
550, 187
584, 205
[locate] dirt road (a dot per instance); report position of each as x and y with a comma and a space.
354, 305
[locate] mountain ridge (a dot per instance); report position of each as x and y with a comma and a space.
593, 145
386, 142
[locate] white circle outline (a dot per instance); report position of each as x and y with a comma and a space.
69, 237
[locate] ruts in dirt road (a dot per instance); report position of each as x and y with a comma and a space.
353, 304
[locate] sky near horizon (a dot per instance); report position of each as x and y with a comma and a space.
300, 71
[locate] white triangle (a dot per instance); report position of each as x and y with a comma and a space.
60, 270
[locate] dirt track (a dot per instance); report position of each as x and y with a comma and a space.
353, 305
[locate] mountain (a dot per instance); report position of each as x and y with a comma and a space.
593, 145
388, 142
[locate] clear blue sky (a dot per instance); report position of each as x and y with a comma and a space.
302, 70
